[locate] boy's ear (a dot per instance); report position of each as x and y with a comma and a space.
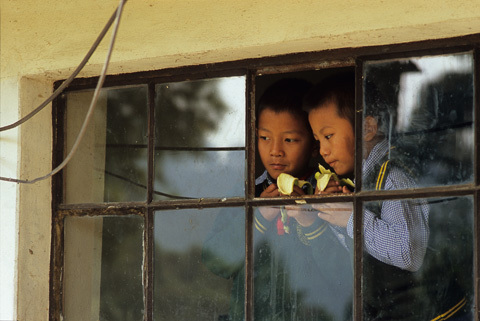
370, 128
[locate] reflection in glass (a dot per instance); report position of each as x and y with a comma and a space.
103, 268
302, 266
126, 154
200, 138
202, 113
196, 255
111, 162
441, 283
194, 174
425, 111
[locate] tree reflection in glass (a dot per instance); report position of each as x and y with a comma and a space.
426, 108
200, 138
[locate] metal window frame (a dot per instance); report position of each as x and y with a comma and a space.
251, 68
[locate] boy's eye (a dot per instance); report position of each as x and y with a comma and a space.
328, 136
290, 140
263, 137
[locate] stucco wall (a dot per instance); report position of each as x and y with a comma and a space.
43, 41
54, 35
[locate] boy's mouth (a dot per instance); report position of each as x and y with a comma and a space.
278, 166
332, 164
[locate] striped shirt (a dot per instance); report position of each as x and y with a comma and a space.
398, 235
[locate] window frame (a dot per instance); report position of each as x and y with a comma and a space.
252, 68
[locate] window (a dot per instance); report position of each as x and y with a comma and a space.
168, 168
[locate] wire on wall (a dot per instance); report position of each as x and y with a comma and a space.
116, 17
68, 80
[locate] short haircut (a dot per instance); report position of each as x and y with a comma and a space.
338, 89
285, 95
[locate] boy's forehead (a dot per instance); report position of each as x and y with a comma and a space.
288, 120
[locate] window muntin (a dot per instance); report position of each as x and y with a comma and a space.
200, 139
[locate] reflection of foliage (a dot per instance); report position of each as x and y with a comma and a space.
447, 272
185, 289
445, 110
184, 113
122, 261
430, 145
126, 144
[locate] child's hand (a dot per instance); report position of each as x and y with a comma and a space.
335, 213
297, 191
332, 187
269, 213
304, 217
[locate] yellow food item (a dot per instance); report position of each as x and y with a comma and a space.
285, 183
322, 181
324, 175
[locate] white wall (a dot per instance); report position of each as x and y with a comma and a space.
8, 196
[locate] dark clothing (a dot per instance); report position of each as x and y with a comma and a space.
305, 274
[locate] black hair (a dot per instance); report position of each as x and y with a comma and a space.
338, 89
285, 95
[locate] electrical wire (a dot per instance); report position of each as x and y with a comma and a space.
68, 80
101, 80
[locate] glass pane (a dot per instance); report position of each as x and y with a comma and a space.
111, 162
103, 275
203, 113
200, 138
421, 272
195, 174
302, 266
198, 255
423, 108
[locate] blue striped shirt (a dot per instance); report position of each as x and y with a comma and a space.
398, 235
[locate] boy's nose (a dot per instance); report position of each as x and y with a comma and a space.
277, 150
324, 151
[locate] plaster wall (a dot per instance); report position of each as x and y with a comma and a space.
43, 41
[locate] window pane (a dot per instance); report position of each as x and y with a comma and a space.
302, 270
103, 268
194, 174
410, 277
203, 113
200, 138
424, 109
197, 254
111, 162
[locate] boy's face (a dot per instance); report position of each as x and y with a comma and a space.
336, 137
284, 143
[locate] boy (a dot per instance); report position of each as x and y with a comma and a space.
395, 232
303, 274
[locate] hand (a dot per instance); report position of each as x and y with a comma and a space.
303, 216
269, 213
335, 213
332, 187
297, 191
